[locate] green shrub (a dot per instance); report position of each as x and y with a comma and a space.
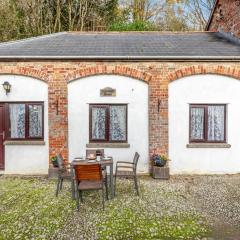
132, 26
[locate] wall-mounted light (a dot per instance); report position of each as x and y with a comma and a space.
7, 87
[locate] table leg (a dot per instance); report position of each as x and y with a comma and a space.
73, 185
111, 181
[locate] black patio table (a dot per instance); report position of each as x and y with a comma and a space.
102, 162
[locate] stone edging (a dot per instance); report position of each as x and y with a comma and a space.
24, 143
208, 145
108, 145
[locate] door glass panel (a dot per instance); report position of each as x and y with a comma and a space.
1, 136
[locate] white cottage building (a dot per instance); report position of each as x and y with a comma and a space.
168, 93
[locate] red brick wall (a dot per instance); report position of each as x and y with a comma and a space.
230, 20
157, 74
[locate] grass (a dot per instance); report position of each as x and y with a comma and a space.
30, 210
128, 224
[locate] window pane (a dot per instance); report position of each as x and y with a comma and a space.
216, 124
35, 121
17, 120
197, 123
98, 123
118, 123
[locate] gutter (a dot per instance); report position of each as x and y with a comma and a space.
138, 58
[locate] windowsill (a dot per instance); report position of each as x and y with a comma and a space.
108, 145
28, 142
208, 145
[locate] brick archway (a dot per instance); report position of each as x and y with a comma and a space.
104, 69
201, 69
24, 71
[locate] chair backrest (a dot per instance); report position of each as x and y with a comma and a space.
96, 152
91, 172
135, 159
60, 161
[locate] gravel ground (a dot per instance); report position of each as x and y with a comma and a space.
185, 207
218, 199
214, 199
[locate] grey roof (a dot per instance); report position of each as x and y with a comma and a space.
126, 45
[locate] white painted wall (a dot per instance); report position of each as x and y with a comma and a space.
26, 159
133, 92
203, 89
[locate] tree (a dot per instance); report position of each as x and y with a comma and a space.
132, 26
25, 18
198, 12
172, 18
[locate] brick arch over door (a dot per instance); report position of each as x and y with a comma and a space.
24, 71
201, 69
114, 70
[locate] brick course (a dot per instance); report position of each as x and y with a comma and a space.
157, 74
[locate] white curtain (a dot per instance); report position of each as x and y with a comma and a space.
35, 120
197, 123
118, 123
216, 120
17, 120
98, 123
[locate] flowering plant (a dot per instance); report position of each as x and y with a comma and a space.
159, 160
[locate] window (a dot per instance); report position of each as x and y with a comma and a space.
208, 123
25, 121
108, 123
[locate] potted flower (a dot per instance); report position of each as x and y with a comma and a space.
160, 170
54, 161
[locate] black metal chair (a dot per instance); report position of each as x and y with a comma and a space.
64, 173
127, 170
89, 177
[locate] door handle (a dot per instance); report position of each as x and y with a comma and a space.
3, 134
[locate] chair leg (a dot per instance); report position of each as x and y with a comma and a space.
81, 196
77, 200
106, 186
61, 184
136, 185
103, 199
58, 186
73, 189
115, 184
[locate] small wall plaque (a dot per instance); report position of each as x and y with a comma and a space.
108, 92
